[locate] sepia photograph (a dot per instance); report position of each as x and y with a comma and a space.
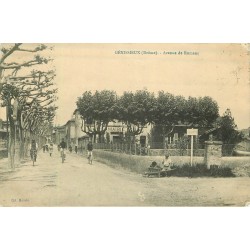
124, 125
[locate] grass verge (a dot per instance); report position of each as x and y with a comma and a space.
231, 166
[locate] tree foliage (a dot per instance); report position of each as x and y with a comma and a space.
227, 129
9, 66
202, 111
136, 110
97, 110
169, 111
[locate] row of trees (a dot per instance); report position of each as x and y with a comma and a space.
27, 92
136, 110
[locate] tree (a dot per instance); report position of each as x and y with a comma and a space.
10, 67
136, 110
28, 102
169, 110
227, 129
202, 111
96, 111
21, 90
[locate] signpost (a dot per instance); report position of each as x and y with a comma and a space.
192, 132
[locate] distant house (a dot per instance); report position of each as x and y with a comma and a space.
116, 130
58, 134
244, 144
151, 134
70, 132
177, 133
245, 132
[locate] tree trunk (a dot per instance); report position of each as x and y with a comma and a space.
11, 146
26, 143
22, 144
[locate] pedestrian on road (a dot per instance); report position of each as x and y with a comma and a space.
63, 146
33, 147
90, 152
50, 149
76, 149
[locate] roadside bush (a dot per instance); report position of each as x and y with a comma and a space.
200, 170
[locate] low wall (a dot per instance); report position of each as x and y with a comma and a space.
139, 164
175, 152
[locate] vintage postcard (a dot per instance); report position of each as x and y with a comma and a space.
124, 125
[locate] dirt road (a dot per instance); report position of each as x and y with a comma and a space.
76, 183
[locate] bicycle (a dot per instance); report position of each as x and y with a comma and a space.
63, 155
33, 156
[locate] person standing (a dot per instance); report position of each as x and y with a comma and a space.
90, 152
70, 148
50, 149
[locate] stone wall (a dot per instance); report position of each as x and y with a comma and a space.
213, 153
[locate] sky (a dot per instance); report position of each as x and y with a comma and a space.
217, 70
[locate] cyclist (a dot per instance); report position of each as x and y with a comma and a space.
33, 149
90, 152
63, 147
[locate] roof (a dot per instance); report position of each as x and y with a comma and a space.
211, 130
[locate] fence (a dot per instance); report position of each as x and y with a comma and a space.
136, 149
3, 144
172, 149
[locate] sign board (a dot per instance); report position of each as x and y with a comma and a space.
114, 129
192, 131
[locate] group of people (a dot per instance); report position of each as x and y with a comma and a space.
48, 148
166, 164
33, 147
